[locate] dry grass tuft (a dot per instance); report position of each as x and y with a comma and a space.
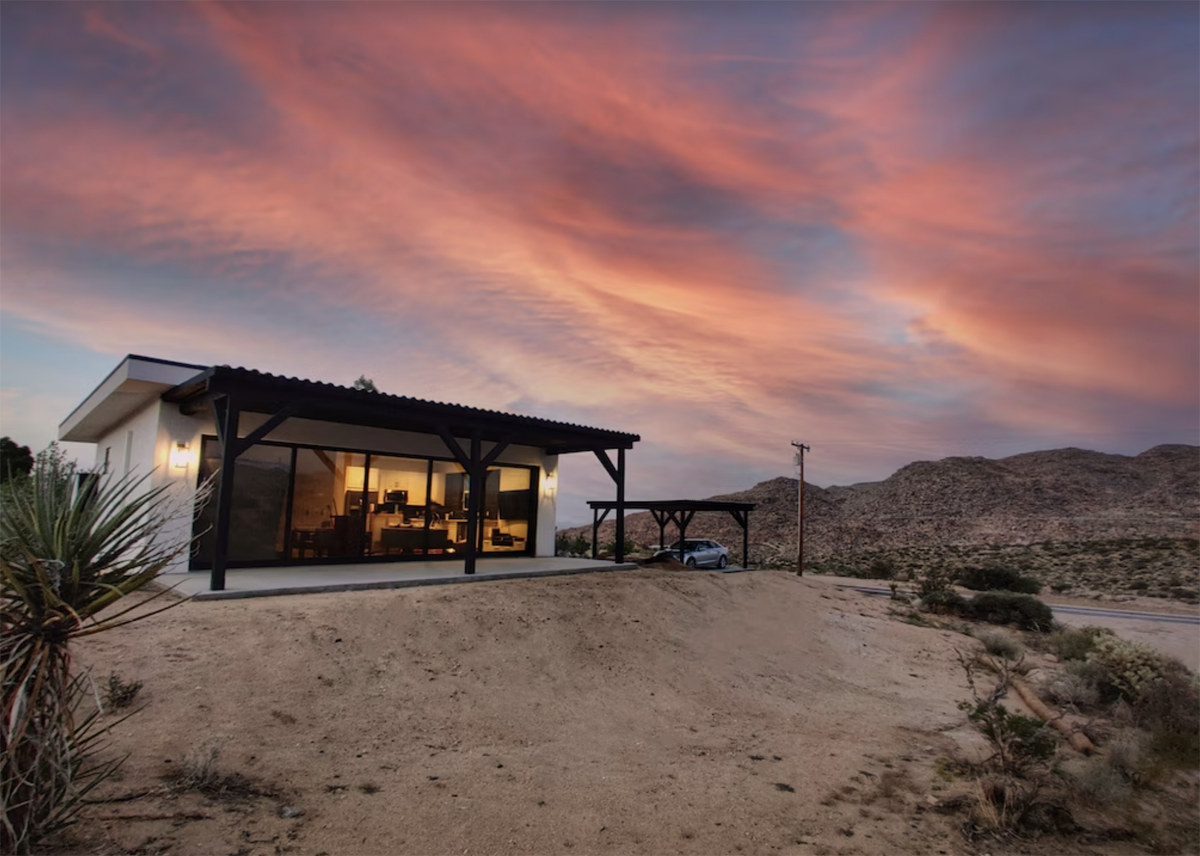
999, 643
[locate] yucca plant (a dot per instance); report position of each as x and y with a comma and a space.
71, 546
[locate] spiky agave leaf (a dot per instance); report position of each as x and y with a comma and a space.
68, 557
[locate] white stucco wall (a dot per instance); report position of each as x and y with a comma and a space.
141, 445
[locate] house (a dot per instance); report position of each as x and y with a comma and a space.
309, 473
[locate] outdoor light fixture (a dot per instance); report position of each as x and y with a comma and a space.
551, 484
180, 457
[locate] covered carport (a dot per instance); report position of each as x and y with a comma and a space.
664, 511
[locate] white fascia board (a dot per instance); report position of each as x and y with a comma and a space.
132, 385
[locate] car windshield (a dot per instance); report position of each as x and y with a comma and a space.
688, 545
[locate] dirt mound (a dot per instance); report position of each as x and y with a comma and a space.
634, 712
664, 563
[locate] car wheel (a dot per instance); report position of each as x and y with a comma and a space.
722, 562
691, 563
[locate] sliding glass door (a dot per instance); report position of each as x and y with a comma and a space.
328, 512
398, 498
257, 521
507, 501
298, 505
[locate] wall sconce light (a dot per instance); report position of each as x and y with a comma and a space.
551, 484
180, 457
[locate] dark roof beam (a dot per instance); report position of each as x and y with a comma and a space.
277, 419
608, 464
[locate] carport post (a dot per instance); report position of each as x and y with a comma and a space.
620, 505
746, 540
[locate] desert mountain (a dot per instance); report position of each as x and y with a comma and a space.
1060, 495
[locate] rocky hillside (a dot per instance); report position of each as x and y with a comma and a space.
1064, 495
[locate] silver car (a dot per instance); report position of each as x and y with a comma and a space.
699, 553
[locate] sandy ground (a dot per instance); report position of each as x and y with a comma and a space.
640, 712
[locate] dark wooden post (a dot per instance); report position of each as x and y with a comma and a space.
595, 532
478, 485
660, 517
620, 506
226, 412
746, 539
685, 517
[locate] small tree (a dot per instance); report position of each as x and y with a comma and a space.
15, 461
365, 384
66, 554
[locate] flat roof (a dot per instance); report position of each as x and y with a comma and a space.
134, 383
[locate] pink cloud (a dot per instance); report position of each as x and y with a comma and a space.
583, 221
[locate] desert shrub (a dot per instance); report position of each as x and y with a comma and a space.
1006, 806
1076, 644
883, 569
1097, 780
1071, 690
935, 588
933, 580
994, 578
199, 770
119, 692
1095, 676
945, 600
999, 643
1004, 607
1020, 741
1131, 666
610, 547
1127, 752
1170, 710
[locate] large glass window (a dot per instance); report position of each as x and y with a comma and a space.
257, 521
294, 505
397, 491
506, 505
329, 511
448, 497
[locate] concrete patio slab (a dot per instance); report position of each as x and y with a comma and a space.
267, 582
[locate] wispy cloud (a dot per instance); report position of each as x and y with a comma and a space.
734, 227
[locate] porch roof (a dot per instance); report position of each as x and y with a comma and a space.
260, 392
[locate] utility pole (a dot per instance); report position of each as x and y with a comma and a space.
801, 449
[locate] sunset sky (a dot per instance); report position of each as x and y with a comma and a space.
894, 231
